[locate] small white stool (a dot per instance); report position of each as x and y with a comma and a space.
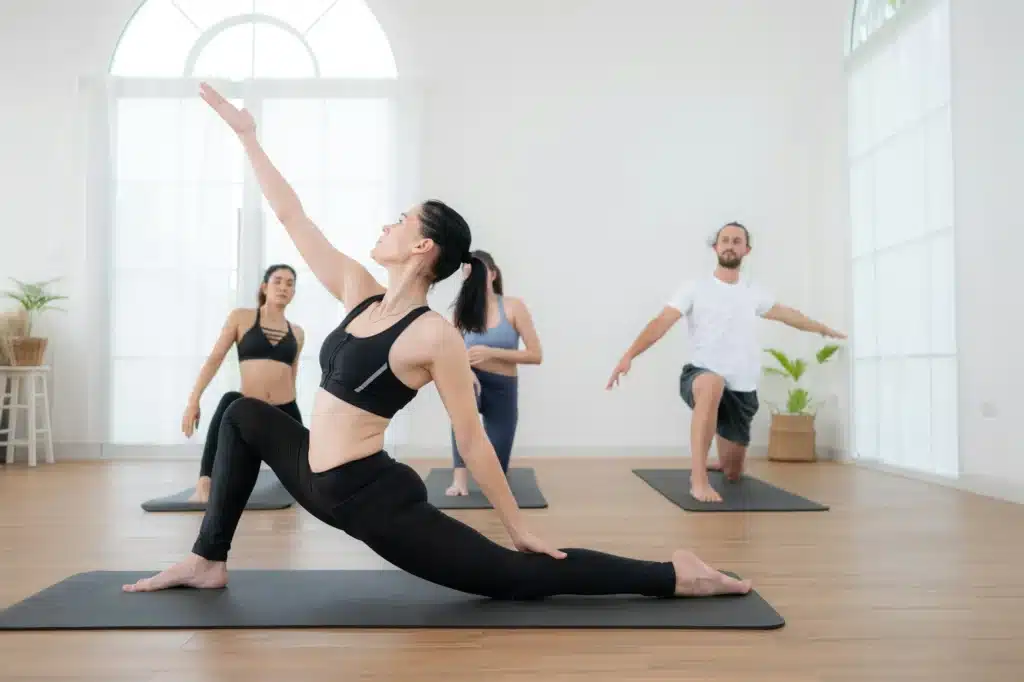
34, 379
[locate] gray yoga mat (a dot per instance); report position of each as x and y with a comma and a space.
269, 493
357, 599
522, 481
747, 494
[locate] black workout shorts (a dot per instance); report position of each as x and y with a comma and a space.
735, 411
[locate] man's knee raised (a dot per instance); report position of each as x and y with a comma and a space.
708, 387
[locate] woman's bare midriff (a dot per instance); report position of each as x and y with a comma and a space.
267, 380
340, 433
502, 367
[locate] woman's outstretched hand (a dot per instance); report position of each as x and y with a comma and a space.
526, 541
240, 120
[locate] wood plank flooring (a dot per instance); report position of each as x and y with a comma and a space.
901, 580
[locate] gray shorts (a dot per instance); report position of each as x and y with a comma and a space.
735, 411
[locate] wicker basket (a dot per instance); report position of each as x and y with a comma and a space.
28, 351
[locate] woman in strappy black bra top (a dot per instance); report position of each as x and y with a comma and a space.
268, 361
390, 345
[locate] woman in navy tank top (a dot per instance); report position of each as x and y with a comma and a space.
492, 325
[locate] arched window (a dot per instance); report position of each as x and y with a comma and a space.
254, 39
868, 17
900, 163
191, 233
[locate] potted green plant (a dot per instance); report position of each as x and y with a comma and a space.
792, 434
35, 298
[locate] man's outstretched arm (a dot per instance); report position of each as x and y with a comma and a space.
651, 333
797, 320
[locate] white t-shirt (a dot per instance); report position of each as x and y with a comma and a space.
722, 321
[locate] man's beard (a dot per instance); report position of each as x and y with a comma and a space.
729, 261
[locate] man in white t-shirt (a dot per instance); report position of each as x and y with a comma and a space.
720, 382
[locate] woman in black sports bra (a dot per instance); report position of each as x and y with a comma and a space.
388, 347
268, 361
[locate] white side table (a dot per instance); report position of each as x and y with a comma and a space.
33, 380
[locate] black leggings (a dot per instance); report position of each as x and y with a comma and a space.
383, 503
498, 403
213, 433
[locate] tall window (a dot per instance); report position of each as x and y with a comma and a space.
904, 408
869, 16
192, 233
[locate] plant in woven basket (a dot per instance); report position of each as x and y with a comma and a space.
35, 298
798, 400
792, 436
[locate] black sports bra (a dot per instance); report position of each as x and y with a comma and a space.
256, 345
355, 368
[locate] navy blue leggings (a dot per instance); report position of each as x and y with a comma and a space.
498, 402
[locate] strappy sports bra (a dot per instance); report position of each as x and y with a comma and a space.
356, 369
255, 343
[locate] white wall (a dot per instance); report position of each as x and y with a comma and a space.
593, 144
988, 107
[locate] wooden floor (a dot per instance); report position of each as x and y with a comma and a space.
901, 580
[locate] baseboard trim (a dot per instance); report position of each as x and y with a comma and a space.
985, 486
85, 452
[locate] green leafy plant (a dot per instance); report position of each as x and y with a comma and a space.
35, 298
798, 401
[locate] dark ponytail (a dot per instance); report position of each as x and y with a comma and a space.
262, 297
499, 289
471, 303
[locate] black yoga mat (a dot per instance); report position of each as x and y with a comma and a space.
522, 481
747, 494
357, 599
269, 493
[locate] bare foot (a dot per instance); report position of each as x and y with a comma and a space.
192, 572
694, 578
714, 465
455, 489
702, 491
202, 493
460, 482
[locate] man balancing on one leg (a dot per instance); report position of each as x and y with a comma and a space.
720, 384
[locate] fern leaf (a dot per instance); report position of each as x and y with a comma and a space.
783, 360
826, 352
798, 401
776, 371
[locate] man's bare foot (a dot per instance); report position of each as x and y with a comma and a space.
714, 465
701, 490
192, 572
694, 578
202, 493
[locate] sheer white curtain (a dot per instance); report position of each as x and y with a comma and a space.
177, 193
187, 234
905, 410
338, 154
179, 231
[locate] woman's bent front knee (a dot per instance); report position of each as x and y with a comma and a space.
244, 410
